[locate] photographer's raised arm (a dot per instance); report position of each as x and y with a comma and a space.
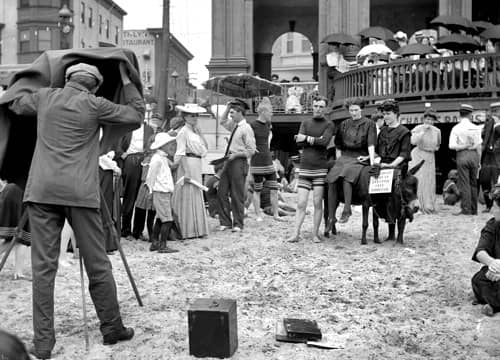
130, 113
26, 105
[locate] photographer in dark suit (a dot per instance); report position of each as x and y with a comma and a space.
63, 183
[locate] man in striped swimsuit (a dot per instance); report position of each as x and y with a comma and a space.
314, 136
262, 166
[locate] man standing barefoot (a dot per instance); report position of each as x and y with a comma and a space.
314, 136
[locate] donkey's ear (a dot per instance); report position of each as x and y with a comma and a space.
417, 167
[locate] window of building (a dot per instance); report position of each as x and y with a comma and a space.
100, 24
91, 16
289, 43
107, 29
47, 3
24, 41
117, 31
82, 16
24, 3
44, 39
82, 45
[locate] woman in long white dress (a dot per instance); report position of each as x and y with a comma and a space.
427, 139
187, 201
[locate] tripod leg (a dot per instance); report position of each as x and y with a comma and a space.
19, 228
114, 234
84, 306
7, 253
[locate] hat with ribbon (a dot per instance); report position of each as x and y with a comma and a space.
466, 107
84, 70
238, 103
161, 139
495, 105
191, 108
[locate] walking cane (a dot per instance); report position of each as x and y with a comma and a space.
17, 235
109, 222
84, 306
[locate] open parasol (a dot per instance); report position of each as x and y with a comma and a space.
242, 86
416, 49
482, 25
493, 33
340, 38
458, 42
454, 23
378, 32
374, 49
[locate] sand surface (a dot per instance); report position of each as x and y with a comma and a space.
376, 301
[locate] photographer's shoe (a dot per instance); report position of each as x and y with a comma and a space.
39, 354
123, 335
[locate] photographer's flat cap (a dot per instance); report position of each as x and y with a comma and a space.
496, 104
466, 107
239, 103
85, 70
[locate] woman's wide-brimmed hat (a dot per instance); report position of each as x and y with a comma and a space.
191, 108
161, 139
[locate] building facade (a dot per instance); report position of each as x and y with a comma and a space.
29, 27
292, 57
146, 44
244, 31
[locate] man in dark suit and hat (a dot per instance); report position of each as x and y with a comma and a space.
63, 183
490, 156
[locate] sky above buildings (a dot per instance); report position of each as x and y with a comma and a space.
190, 23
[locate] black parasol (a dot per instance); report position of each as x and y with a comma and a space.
242, 86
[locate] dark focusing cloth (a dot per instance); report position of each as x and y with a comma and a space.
353, 138
11, 209
18, 133
485, 290
392, 143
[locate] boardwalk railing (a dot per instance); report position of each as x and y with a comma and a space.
466, 75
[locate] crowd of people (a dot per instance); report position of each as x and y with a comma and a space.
152, 179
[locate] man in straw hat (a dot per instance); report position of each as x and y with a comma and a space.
490, 156
465, 139
63, 182
240, 149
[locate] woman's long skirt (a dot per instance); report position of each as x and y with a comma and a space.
188, 204
426, 179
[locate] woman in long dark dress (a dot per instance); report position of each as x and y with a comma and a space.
355, 140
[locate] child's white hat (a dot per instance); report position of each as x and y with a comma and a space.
161, 139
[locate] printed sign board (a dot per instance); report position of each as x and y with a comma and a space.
381, 184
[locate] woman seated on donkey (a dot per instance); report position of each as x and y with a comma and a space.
355, 141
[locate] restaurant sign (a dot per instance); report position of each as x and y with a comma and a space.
478, 116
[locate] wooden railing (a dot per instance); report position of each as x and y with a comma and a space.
444, 77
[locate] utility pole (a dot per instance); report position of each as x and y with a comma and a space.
164, 60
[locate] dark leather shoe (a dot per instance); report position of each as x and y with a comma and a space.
123, 335
38, 354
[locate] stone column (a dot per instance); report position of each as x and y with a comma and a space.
456, 7
262, 64
230, 38
347, 16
